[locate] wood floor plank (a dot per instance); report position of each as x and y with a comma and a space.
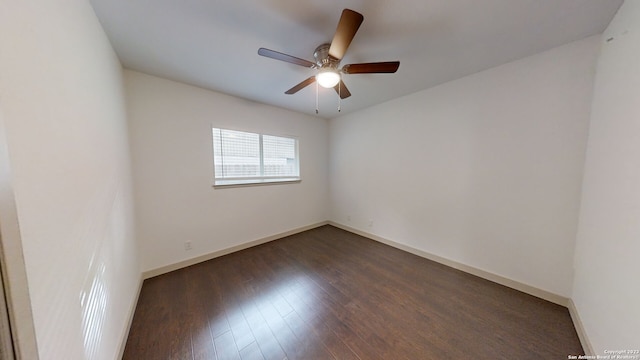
330, 294
267, 342
251, 352
180, 321
198, 308
226, 346
296, 346
151, 312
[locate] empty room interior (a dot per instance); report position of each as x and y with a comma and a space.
177, 180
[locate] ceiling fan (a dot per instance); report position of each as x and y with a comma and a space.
328, 57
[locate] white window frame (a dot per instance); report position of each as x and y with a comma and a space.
255, 180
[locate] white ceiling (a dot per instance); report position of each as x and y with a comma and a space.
213, 43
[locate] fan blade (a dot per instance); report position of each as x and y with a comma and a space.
302, 85
284, 57
371, 68
347, 27
342, 90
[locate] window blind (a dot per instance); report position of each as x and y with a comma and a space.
249, 158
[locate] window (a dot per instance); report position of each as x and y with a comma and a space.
242, 158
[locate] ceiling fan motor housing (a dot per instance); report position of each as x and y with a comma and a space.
323, 59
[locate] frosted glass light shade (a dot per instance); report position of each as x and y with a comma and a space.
328, 78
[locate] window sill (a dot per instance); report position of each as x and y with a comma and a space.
223, 184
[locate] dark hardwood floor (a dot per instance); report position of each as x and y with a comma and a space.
330, 294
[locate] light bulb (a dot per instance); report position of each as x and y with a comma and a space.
328, 78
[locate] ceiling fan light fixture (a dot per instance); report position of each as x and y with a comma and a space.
328, 57
328, 78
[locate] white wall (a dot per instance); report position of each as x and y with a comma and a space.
170, 127
607, 287
64, 110
12, 261
485, 170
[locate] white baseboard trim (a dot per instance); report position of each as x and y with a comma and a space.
215, 254
531, 290
132, 311
582, 334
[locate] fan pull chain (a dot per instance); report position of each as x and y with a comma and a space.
339, 95
317, 98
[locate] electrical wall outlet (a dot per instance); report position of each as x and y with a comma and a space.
370, 223
187, 245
